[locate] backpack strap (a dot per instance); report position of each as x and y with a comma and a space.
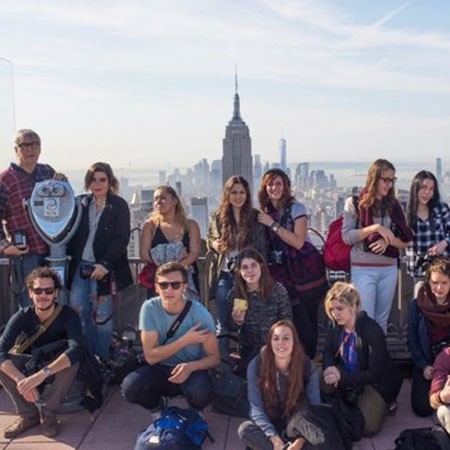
178, 321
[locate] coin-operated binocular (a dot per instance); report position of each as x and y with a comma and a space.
55, 213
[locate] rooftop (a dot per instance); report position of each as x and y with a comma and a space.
116, 424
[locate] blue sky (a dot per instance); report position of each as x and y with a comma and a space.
147, 83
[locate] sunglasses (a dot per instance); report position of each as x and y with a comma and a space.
173, 284
39, 291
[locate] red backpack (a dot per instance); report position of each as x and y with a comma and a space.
336, 253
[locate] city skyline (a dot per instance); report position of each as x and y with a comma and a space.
149, 84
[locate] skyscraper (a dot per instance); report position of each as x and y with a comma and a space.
439, 169
283, 156
237, 146
199, 212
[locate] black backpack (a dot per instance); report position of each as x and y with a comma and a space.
417, 439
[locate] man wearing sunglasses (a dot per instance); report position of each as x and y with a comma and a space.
178, 364
43, 286
19, 240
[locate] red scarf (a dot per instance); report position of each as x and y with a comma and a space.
437, 315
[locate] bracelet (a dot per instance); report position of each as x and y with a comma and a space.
275, 226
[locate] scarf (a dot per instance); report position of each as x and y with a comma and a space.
437, 315
398, 226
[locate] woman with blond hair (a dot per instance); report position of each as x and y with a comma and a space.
377, 231
356, 362
233, 227
168, 235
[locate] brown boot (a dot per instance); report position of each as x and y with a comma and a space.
50, 426
22, 424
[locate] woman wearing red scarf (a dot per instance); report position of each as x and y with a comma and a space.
377, 231
428, 330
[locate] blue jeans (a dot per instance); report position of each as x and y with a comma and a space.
146, 385
376, 286
224, 285
93, 312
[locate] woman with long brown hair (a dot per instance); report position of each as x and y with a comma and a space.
233, 227
169, 235
255, 303
377, 231
293, 259
282, 381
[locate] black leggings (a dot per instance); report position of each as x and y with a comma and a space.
305, 321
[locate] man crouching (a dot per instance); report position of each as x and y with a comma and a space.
177, 364
43, 286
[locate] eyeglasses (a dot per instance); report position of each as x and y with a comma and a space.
173, 284
32, 145
388, 180
39, 291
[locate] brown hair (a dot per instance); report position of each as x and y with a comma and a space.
287, 197
266, 283
232, 234
43, 272
170, 267
439, 264
369, 197
295, 388
344, 293
107, 170
25, 132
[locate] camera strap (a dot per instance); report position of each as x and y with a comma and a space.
178, 321
43, 327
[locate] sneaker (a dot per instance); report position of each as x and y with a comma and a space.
300, 426
22, 424
156, 412
50, 426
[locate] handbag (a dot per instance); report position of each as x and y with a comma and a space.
306, 269
146, 276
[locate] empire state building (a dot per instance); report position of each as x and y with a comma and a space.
237, 146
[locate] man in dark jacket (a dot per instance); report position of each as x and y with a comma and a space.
43, 287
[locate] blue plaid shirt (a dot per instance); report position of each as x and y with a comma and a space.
428, 233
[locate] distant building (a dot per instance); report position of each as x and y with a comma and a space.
237, 146
141, 206
283, 156
162, 177
199, 212
439, 169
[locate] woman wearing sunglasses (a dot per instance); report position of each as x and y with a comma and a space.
99, 265
377, 231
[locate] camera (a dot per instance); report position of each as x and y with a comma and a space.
276, 257
423, 261
86, 269
20, 239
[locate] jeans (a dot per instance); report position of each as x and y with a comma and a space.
93, 312
60, 387
376, 286
224, 284
253, 437
146, 385
22, 266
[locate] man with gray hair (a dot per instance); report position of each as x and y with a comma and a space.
18, 238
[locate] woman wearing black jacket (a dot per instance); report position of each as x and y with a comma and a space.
356, 362
99, 264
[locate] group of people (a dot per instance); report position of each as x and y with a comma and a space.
267, 280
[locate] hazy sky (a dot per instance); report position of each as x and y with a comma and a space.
151, 83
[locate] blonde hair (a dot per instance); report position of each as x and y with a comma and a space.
344, 293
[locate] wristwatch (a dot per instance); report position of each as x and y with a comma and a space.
275, 226
47, 371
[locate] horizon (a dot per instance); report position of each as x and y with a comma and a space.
132, 82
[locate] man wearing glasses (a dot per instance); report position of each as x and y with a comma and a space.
43, 285
177, 364
18, 238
